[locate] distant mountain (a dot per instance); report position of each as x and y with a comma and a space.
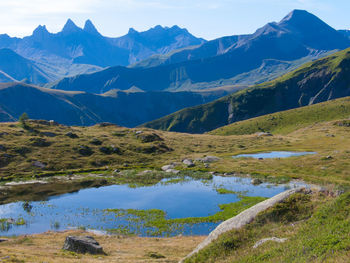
13, 67
128, 108
248, 59
319, 81
345, 33
77, 50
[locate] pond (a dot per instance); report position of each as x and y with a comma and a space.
88, 208
271, 155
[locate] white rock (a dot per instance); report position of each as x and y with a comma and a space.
167, 167
274, 239
188, 162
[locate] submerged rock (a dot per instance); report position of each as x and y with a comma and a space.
256, 181
85, 244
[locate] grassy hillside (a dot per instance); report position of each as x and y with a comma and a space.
315, 82
288, 121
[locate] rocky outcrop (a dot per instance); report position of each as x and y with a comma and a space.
244, 218
83, 244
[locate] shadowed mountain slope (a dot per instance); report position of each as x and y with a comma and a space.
322, 80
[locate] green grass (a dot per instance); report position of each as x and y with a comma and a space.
317, 229
287, 121
298, 88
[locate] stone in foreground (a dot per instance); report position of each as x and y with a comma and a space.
83, 244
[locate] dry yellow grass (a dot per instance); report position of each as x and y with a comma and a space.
47, 247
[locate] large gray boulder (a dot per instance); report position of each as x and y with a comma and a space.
83, 244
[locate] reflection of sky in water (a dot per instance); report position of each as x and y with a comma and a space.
84, 208
271, 155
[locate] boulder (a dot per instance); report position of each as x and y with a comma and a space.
39, 164
3, 240
188, 162
209, 159
264, 134
82, 244
168, 167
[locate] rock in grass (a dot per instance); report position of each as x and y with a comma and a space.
3, 240
208, 159
274, 239
188, 162
168, 167
83, 244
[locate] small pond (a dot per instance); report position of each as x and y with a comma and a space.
176, 199
271, 155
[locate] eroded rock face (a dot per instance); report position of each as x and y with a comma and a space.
83, 244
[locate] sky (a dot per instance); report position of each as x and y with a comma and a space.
204, 18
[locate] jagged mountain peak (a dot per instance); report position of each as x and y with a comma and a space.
70, 27
90, 28
132, 31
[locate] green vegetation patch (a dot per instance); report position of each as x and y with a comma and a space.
156, 223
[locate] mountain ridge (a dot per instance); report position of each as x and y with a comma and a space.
315, 82
220, 60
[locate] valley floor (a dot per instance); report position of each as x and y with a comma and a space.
47, 247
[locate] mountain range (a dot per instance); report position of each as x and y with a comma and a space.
127, 108
318, 81
270, 52
76, 50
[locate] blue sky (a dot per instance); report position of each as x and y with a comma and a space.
205, 18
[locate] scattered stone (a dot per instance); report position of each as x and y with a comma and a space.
173, 171
49, 134
86, 244
153, 137
115, 149
155, 255
85, 150
167, 167
39, 164
188, 162
116, 171
329, 157
330, 135
95, 141
274, 239
206, 165
71, 135
264, 134
256, 181
138, 132
209, 159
